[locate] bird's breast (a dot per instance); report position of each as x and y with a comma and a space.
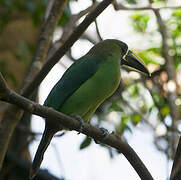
94, 91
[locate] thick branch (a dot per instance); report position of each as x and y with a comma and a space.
21, 167
45, 39
72, 124
176, 168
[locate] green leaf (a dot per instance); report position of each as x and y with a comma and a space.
177, 13
139, 21
133, 90
155, 50
148, 57
158, 1
136, 118
124, 121
165, 110
158, 99
115, 107
131, 1
151, 108
85, 143
128, 128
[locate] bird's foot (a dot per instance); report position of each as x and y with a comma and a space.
81, 121
105, 134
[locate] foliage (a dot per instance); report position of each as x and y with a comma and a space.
140, 21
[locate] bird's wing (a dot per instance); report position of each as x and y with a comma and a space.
73, 78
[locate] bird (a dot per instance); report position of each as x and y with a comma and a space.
85, 85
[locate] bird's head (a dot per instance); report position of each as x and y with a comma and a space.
127, 57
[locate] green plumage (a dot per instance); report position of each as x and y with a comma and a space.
85, 85
72, 79
88, 82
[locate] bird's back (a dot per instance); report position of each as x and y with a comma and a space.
86, 99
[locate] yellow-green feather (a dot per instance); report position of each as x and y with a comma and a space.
86, 99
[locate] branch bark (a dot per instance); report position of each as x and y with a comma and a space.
21, 168
118, 6
176, 169
68, 29
44, 41
68, 122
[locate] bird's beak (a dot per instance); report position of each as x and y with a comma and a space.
135, 63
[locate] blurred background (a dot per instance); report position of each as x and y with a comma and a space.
144, 111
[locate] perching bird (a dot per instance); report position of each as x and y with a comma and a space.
85, 85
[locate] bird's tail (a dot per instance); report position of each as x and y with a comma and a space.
45, 141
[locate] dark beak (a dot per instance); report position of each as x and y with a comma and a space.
135, 63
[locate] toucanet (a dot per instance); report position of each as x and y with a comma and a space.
85, 85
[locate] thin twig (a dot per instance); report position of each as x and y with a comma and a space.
142, 117
68, 29
170, 69
70, 26
97, 30
119, 6
3, 87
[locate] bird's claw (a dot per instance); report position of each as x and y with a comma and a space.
81, 121
105, 134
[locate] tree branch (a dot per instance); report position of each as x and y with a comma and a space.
176, 169
169, 64
68, 122
21, 168
44, 41
98, 32
118, 6
12, 114
70, 26
68, 29
64, 48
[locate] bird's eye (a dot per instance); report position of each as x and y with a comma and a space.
125, 53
